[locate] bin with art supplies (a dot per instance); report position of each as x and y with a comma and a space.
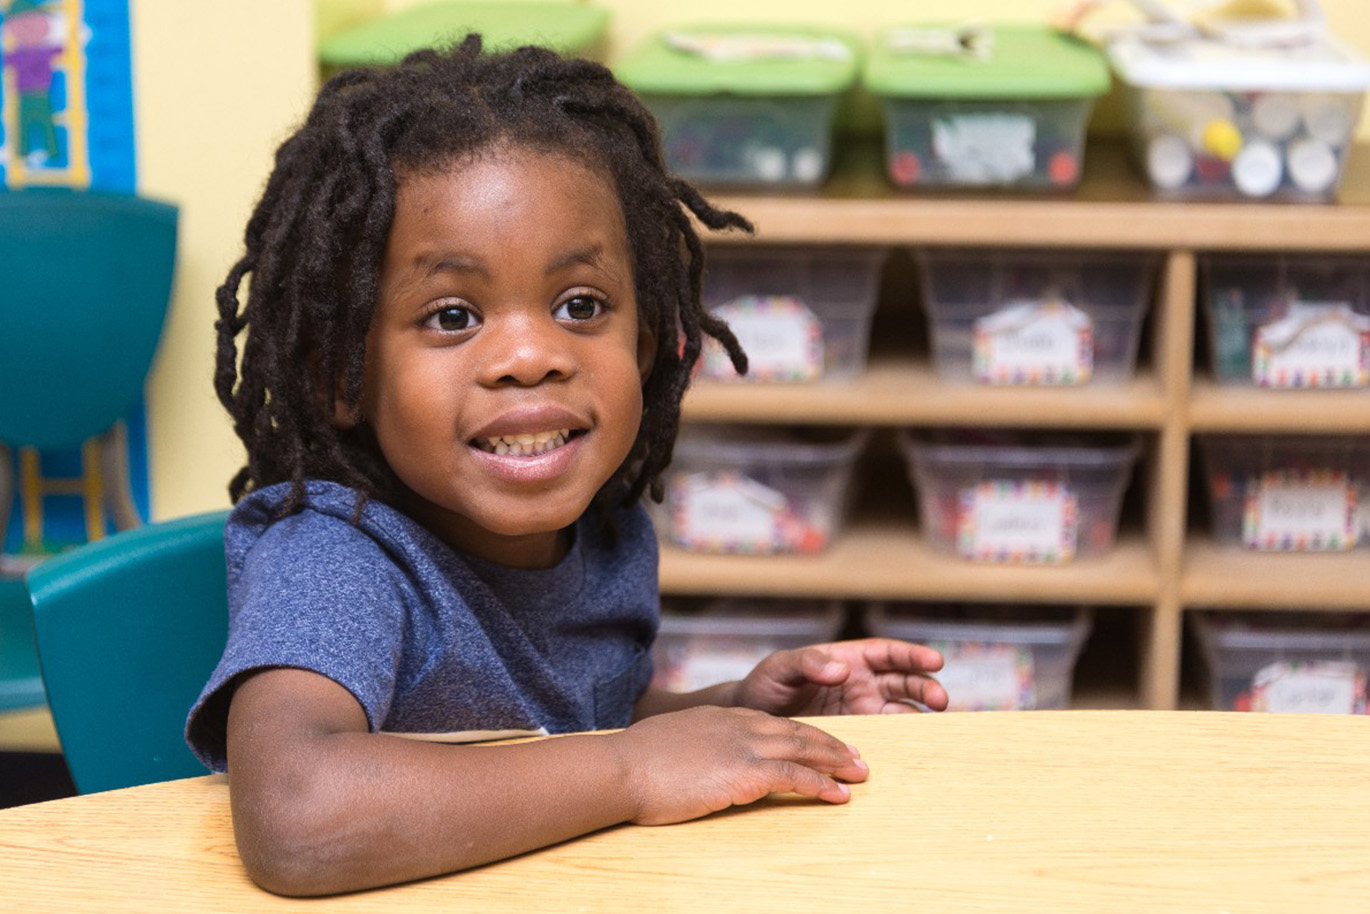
1213, 115
747, 106
1289, 493
707, 640
1285, 662
1015, 497
569, 28
1288, 322
997, 658
759, 489
978, 106
800, 313
1029, 318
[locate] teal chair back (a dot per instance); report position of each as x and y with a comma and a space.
85, 278
128, 630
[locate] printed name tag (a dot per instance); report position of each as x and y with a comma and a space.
987, 677
1004, 521
783, 340
1034, 343
725, 512
1309, 688
1315, 344
1301, 512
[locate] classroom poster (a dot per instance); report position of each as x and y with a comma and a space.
66, 120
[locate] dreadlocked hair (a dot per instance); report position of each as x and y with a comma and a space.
315, 241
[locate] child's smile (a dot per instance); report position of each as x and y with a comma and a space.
504, 362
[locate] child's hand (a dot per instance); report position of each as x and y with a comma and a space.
691, 763
871, 676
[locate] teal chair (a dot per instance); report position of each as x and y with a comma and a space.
85, 278
129, 629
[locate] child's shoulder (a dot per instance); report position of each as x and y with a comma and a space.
326, 519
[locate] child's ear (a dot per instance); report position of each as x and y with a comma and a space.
646, 353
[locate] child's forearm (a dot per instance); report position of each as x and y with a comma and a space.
358, 810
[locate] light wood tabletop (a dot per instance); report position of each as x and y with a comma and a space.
1078, 811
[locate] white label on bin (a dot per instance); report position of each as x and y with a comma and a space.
987, 677
1301, 511
1034, 342
1316, 344
1327, 687
1012, 521
783, 340
725, 512
993, 148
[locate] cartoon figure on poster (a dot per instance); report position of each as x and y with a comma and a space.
34, 38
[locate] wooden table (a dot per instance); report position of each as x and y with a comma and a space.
1088, 811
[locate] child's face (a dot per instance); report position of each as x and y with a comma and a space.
505, 363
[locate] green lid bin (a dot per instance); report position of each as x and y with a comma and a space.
566, 27
998, 106
745, 105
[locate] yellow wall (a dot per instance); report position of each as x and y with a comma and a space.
217, 87
220, 84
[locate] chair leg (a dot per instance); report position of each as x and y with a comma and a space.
118, 485
6, 502
31, 491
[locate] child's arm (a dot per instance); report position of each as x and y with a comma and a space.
321, 805
869, 676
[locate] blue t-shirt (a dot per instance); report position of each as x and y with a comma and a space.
433, 642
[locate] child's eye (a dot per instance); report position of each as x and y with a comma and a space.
579, 308
452, 319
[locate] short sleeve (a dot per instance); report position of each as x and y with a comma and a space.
313, 592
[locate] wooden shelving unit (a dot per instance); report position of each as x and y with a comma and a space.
1162, 569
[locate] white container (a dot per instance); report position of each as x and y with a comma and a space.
1003, 497
1289, 493
800, 313
1288, 322
703, 642
994, 661
1218, 120
1293, 663
1027, 318
758, 489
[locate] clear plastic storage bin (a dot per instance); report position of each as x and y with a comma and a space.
996, 660
800, 313
1293, 663
1289, 493
1035, 317
740, 105
1215, 119
1001, 106
1288, 322
755, 489
1019, 497
706, 641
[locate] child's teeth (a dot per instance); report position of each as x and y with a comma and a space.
527, 444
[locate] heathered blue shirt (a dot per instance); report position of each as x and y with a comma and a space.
433, 642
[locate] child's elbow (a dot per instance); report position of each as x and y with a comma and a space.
296, 849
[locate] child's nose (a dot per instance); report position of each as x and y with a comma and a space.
527, 350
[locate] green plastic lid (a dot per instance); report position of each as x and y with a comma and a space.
569, 28
743, 60
1013, 61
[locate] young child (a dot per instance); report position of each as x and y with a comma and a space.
470, 281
